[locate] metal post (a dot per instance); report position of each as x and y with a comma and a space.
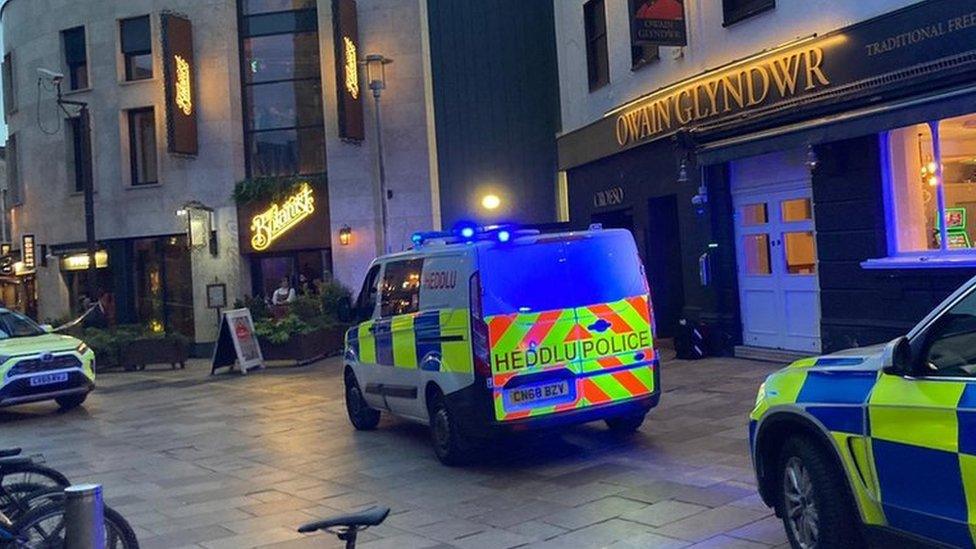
89, 189
382, 172
84, 517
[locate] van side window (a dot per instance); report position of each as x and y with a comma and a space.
366, 303
401, 287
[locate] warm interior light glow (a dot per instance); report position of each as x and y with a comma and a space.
268, 226
352, 68
491, 202
79, 262
184, 99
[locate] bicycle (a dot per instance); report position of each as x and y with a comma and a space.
44, 527
348, 527
21, 477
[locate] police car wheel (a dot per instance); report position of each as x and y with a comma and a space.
625, 424
70, 402
362, 417
449, 444
815, 503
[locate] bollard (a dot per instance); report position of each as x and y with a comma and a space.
84, 517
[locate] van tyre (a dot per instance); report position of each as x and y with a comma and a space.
626, 424
70, 402
362, 417
450, 445
814, 500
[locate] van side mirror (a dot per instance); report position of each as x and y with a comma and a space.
898, 359
47, 328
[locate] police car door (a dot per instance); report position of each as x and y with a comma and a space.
394, 335
362, 342
923, 433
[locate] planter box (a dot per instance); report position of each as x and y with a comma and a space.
306, 348
139, 353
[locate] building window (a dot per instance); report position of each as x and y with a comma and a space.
401, 288
932, 168
142, 146
78, 155
75, 57
597, 60
737, 10
284, 125
9, 95
137, 48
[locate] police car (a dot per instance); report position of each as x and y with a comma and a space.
38, 365
487, 330
877, 441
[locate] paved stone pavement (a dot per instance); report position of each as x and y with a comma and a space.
235, 462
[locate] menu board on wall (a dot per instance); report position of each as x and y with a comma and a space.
179, 79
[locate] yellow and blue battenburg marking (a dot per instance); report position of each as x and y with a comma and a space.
888, 430
432, 340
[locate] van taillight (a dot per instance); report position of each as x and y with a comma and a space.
479, 330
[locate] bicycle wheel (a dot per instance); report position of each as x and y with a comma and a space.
32, 473
43, 528
17, 499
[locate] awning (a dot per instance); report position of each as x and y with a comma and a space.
840, 126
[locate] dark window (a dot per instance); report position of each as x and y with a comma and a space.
288, 104
282, 89
287, 152
950, 343
13, 175
366, 303
251, 7
78, 156
142, 146
281, 57
401, 287
137, 47
9, 97
597, 60
737, 10
75, 57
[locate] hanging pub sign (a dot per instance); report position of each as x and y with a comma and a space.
350, 94
658, 22
28, 247
179, 79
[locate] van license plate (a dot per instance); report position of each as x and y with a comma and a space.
535, 393
48, 379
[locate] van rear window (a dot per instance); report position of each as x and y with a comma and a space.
560, 273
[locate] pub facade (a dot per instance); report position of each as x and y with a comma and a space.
809, 195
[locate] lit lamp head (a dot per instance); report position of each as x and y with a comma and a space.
345, 235
491, 202
376, 72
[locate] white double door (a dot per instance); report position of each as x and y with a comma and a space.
776, 251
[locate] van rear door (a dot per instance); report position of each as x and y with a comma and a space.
569, 323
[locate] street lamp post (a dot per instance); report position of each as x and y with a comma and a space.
376, 78
89, 190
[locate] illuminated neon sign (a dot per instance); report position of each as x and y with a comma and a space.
352, 68
184, 96
271, 224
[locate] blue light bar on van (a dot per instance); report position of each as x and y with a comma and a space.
471, 233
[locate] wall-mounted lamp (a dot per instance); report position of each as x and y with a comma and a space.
683, 172
345, 235
200, 229
812, 159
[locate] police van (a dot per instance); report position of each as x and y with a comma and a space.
482, 331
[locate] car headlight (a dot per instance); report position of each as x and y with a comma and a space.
82, 348
761, 395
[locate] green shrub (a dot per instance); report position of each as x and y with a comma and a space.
280, 331
258, 307
336, 301
306, 308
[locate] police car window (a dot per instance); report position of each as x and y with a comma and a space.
401, 287
15, 325
951, 341
367, 296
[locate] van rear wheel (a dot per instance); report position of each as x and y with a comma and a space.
626, 424
362, 417
450, 445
